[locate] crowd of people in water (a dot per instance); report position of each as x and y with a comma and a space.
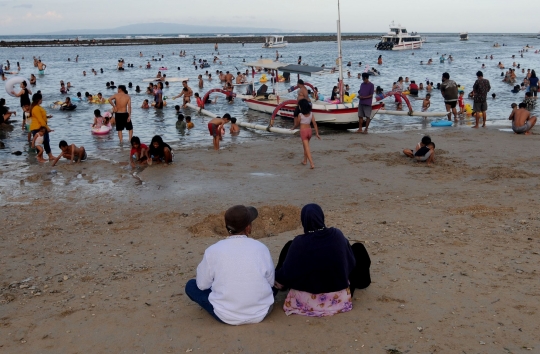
35, 117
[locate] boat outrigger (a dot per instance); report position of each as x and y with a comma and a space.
274, 42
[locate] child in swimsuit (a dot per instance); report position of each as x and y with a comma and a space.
37, 143
70, 152
461, 103
145, 105
138, 152
189, 124
98, 119
426, 103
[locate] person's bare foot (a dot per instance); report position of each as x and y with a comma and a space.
312, 167
483, 125
51, 158
365, 131
304, 162
40, 159
475, 126
528, 133
359, 130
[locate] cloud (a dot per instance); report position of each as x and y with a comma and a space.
23, 6
49, 15
6, 21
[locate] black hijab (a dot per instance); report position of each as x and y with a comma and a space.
320, 260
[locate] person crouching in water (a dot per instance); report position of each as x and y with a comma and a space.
159, 151
304, 120
215, 127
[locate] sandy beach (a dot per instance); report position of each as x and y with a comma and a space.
94, 258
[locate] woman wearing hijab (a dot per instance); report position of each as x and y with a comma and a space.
320, 268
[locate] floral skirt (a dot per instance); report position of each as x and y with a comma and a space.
317, 305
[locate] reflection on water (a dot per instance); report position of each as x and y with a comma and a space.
75, 126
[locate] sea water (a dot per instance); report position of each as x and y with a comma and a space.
74, 126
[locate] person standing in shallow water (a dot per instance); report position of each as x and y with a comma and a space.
121, 103
379, 61
481, 88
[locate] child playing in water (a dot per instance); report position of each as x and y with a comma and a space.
461, 103
426, 103
98, 119
70, 152
145, 105
177, 109
180, 124
63, 89
37, 143
199, 100
214, 127
235, 129
138, 152
100, 99
189, 124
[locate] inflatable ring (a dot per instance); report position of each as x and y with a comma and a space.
14, 81
104, 130
442, 123
163, 68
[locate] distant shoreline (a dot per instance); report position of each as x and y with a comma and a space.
164, 41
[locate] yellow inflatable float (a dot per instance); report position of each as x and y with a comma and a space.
349, 99
468, 109
263, 78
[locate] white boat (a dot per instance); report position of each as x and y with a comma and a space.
274, 42
399, 39
464, 36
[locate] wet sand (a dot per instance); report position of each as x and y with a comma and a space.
94, 259
170, 40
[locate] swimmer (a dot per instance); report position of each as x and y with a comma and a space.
201, 83
234, 129
41, 67
145, 105
187, 92
426, 103
70, 152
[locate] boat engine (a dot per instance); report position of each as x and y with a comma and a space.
385, 46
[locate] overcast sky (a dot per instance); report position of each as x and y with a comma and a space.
31, 16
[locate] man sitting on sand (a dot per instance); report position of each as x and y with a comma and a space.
215, 126
70, 152
522, 122
235, 277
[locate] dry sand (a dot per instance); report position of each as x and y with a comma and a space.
93, 260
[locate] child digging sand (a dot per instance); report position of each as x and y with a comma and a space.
37, 143
138, 153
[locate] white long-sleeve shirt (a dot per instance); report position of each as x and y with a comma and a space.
240, 272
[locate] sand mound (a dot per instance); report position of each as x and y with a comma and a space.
481, 210
506, 172
272, 220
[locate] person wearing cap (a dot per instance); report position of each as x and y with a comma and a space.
235, 277
365, 95
480, 89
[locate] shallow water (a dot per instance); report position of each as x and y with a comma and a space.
75, 126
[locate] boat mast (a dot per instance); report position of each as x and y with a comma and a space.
340, 57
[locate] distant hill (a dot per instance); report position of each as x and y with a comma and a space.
167, 28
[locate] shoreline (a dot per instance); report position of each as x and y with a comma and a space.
165, 41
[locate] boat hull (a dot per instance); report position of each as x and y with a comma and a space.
279, 45
346, 115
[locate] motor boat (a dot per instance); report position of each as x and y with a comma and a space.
399, 39
464, 36
274, 42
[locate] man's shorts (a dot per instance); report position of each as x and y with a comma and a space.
452, 104
214, 130
122, 123
523, 129
480, 106
364, 111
